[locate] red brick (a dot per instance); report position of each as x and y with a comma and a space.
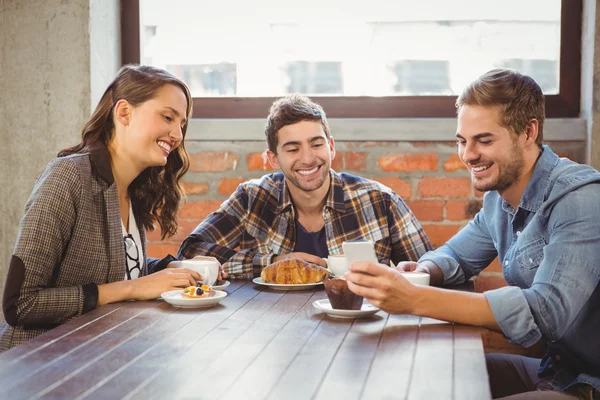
184, 228
398, 185
408, 162
422, 144
350, 160
258, 162
213, 161
461, 210
195, 188
153, 236
199, 209
427, 210
439, 234
494, 266
358, 145
444, 187
228, 185
453, 163
160, 250
369, 144
456, 210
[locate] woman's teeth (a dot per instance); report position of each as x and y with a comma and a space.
308, 172
165, 146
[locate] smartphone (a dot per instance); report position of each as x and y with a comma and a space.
360, 251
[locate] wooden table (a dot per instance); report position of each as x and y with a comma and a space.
257, 343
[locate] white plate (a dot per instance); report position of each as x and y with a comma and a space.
221, 287
279, 286
367, 310
174, 297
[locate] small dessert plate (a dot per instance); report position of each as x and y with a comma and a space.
278, 286
367, 310
175, 298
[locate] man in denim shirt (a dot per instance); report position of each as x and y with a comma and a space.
541, 217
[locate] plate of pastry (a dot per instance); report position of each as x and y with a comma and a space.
292, 274
194, 297
288, 286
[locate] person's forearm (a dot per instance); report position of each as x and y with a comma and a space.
455, 306
114, 292
436, 276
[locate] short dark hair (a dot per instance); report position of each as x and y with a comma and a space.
290, 110
519, 97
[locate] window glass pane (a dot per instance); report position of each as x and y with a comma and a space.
267, 48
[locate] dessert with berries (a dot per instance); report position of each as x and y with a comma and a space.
197, 292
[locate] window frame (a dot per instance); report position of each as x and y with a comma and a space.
565, 104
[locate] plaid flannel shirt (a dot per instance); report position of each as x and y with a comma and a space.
258, 222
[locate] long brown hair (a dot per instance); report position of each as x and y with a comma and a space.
156, 193
519, 97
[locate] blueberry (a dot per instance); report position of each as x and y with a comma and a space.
199, 291
198, 284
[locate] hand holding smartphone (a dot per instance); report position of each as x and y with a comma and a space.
360, 251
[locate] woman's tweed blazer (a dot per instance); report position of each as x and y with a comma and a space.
70, 240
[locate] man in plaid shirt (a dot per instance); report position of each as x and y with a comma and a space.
307, 210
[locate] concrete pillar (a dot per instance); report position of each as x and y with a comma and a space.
49, 52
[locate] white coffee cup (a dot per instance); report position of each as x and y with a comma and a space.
418, 278
337, 264
209, 269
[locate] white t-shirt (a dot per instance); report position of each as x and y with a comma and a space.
133, 247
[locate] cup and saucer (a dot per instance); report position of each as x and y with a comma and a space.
208, 267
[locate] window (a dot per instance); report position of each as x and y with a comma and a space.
314, 77
421, 77
364, 59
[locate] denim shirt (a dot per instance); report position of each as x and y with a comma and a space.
549, 249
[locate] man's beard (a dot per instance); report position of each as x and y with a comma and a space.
508, 172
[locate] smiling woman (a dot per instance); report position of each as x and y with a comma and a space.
81, 242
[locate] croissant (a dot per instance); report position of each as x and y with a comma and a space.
293, 271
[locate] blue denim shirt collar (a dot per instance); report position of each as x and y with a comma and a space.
535, 192
538, 185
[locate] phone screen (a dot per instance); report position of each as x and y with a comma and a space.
360, 251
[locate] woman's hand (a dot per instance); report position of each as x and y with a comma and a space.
151, 286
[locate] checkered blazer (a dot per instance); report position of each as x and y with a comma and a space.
258, 222
70, 240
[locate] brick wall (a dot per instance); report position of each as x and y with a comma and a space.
428, 175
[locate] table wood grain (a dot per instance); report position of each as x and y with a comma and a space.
258, 343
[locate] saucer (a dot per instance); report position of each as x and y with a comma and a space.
367, 310
222, 286
175, 298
